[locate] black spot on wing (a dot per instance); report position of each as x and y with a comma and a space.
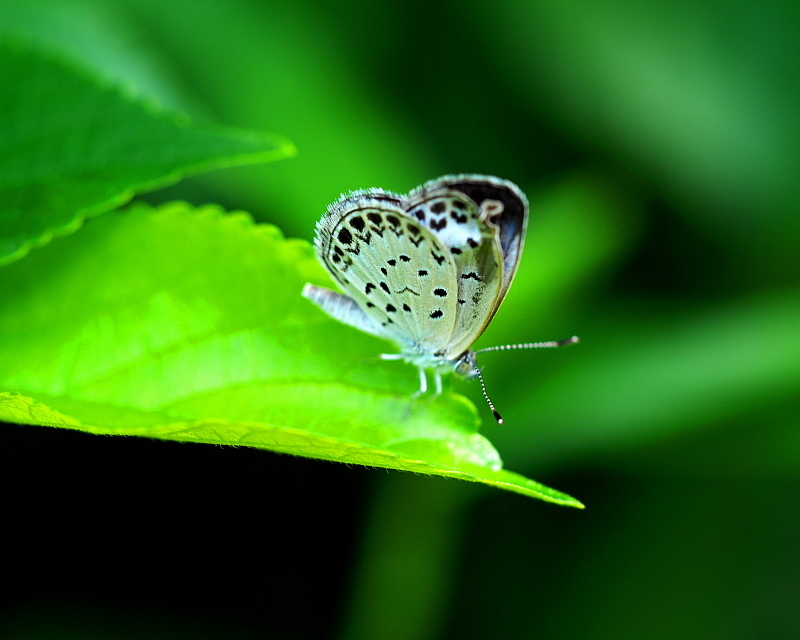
357, 222
385, 287
439, 206
391, 308
455, 250
440, 292
473, 275
344, 236
404, 258
515, 209
438, 225
406, 307
437, 314
422, 272
369, 287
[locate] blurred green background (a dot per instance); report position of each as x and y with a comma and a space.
659, 144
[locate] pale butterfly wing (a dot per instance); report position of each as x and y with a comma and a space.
392, 267
481, 220
428, 270
511, 223
472, 243
344, 309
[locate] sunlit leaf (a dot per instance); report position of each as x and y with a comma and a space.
194, 329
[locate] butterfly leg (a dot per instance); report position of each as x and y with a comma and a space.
423, 383
438, 379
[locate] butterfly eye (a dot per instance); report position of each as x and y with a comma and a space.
465, 368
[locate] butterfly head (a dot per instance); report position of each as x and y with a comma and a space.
466, 365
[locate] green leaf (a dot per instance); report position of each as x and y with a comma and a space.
194, 329
73, 146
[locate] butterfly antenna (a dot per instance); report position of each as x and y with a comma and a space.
532, 345
495, 412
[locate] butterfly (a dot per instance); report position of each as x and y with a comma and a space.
427, 270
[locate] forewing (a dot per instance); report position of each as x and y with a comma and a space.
511, 223
395, 269
476, 251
